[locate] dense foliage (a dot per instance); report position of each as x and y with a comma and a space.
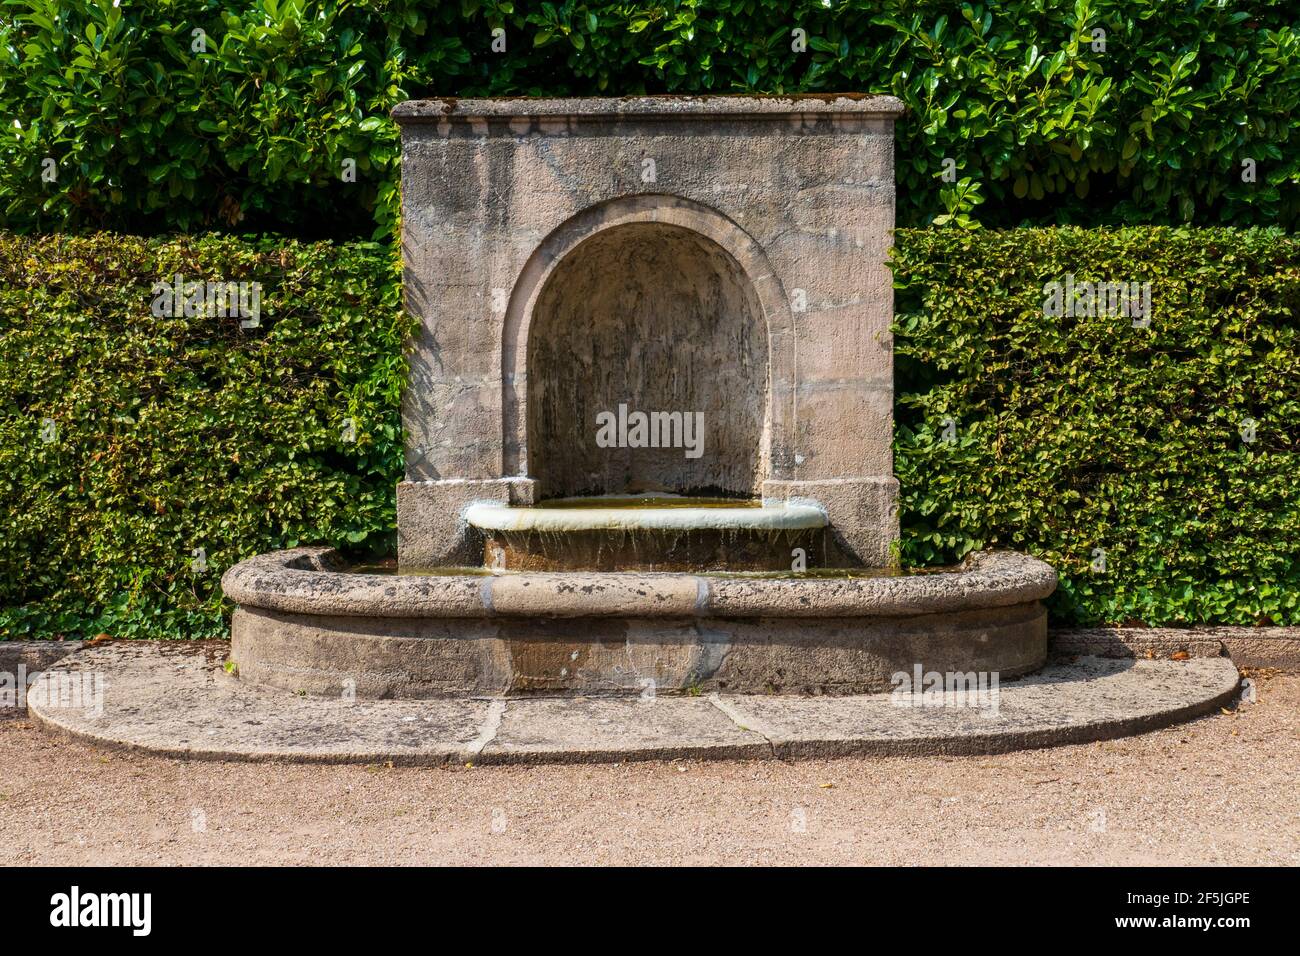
154, 115
1156, 467
143, 454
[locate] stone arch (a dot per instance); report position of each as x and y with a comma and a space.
643, 218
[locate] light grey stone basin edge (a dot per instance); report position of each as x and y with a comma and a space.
781, 516
313, 581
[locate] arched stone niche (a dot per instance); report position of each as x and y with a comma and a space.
647, 334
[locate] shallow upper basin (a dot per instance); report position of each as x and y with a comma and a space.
645, 514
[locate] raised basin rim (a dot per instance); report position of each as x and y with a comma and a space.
312, 581
784, 516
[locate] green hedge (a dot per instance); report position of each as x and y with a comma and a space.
1069, 434
127, 440
1073, 434
150, 130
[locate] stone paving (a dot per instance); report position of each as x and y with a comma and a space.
176, 700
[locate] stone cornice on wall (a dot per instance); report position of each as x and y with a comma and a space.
649, 107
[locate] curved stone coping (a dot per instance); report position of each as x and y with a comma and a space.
495, 516
310, 581
172, 699
596, 107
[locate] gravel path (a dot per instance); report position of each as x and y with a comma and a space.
1221, 790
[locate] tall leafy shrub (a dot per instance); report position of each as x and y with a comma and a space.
1155, 467
143, 454
273, 114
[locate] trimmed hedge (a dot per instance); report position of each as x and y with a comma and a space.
1069, 434
154, 126
1074, 436
128, 441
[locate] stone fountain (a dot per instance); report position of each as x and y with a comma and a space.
648, 433
648, 423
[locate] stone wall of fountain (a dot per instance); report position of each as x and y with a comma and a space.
718, 255
569, 260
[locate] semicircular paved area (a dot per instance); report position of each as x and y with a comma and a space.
175, 699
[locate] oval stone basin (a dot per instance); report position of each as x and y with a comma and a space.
306, 624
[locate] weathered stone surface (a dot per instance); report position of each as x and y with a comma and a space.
1247, 646
421, 657
654, 318
387, 657
1089, 699
175, 700
303, 627
431, 528
34, 655
517, 108
863, 512
719, 255
301, 581
21, 663
1260, 646
582, 730
581, 595
699, 550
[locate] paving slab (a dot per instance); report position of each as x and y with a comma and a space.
1273, 647
1090, 698
21, 662
611, 729
176, 700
